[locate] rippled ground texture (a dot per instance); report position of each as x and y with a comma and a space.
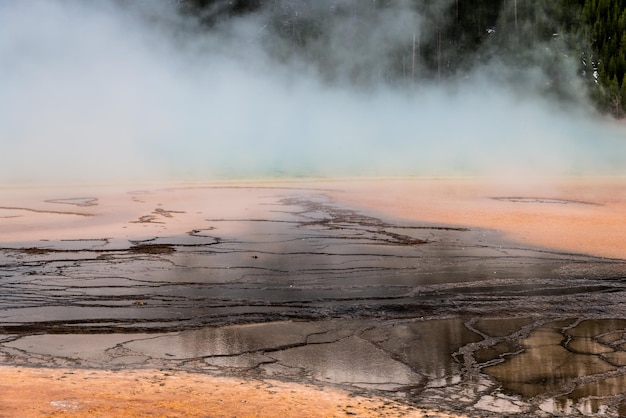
284, 281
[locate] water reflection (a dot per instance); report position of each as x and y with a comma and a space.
428, 346
358, 353
576, 364
500, 365
350, 361
227, 341
568, 367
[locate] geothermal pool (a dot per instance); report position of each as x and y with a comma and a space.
457, 295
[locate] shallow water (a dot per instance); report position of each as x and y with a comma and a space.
558, 367
306, 289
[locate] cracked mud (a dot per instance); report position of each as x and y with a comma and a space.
292, 285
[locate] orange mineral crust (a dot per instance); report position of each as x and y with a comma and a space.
30, 392
575, 214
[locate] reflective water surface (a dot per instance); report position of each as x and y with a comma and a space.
512, 365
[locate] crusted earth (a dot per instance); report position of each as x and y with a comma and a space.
304, 289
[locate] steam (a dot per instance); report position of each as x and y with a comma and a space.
102, 91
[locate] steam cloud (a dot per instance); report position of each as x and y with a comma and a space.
101, 91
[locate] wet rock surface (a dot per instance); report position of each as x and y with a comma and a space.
308, 290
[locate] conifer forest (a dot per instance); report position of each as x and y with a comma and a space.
574, 43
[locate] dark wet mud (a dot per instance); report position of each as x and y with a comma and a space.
450, 318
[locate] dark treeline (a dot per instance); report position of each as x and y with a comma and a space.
572, 43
